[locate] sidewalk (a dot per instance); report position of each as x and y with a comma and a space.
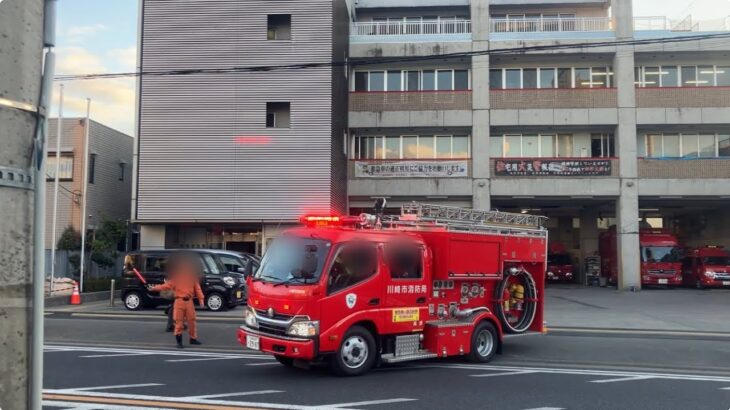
687, 310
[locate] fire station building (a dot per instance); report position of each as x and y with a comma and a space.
552, 107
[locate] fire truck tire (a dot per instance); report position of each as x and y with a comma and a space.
286, 361
699, 285
356, 354
484, 343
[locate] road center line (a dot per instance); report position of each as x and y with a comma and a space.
365, 403
242, 393
621, 379
503, 374
118, 386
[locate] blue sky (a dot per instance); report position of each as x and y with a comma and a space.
101, 36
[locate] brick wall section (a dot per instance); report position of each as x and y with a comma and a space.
682, 168
553, 98
410, 101
681, 97
614, 171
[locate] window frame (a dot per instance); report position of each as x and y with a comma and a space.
422, 255
358, 141
63, 156
336, 253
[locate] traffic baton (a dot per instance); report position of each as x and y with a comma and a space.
139, 276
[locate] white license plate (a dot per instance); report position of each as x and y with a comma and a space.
252, 342
238, 294
663, 281
726, 283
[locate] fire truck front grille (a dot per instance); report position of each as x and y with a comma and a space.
272, 328
277, 316
669, 272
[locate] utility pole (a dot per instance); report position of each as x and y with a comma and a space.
24, 102
84, 190
56, 179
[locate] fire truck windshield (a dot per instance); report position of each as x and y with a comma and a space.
654, 254
716, 260
290, 258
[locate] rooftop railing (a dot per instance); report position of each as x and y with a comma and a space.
662, 23
556, 24
401, 28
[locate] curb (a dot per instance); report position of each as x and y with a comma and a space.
639, 332
56, 301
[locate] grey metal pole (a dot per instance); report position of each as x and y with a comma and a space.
111, 294
84, 191
59, 133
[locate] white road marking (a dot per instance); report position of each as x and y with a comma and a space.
621, 379
203, 359
115, 355
547, 408
365, 403
180, 352
118, 386
724, 388
584, 372
263, 364
175, 400
242, 393
503, 374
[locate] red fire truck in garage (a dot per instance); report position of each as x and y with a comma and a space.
660, 257
707, 267
559, 263
435, 281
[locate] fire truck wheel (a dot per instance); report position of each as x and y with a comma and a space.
484, 342
699, 285
286, 361
356, 354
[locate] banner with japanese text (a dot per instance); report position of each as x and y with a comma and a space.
552, 167
412, 169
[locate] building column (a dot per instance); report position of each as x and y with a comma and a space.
627, 205
565, 231
481, 196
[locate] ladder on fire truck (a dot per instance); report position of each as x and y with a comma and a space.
472, 220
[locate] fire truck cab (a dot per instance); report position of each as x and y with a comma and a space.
435, 282
660, 257
707, 267
559, 263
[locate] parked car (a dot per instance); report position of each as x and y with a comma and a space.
239, 262
223, 288
707, 267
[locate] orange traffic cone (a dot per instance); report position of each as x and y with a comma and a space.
75, 296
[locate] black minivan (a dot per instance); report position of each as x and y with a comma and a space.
223, 288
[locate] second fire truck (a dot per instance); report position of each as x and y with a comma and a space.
434, 282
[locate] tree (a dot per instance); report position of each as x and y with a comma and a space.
70, 240
104, 243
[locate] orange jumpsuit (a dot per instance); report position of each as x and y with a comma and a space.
185, 288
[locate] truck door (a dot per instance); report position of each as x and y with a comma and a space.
406, 287
354, 285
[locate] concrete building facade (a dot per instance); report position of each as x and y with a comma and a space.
108, 183
542, 106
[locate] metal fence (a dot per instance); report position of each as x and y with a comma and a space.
397, 28
532, 25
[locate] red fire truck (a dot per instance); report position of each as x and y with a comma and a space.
433, 282
559, 263
660, 257
707, 267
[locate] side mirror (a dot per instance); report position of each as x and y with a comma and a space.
240, 270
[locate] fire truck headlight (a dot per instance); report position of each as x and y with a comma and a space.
305, 328
229, 281
249, 317
550, 274
710, 274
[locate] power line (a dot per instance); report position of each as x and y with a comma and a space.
374, 61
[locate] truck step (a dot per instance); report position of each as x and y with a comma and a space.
419, 355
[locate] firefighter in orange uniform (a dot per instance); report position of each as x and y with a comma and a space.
185, 283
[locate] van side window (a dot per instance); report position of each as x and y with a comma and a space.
212, 266
353, 264
155, 263
405, 261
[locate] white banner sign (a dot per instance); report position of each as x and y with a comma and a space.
412, 169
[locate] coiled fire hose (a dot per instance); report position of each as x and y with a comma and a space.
520, 287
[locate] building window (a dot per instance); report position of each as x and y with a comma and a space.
122, 169
602, 146
412, 147
550, 146
65, 167
683, 76
412, 80
92, 168
550, 77
278, 115
279, 27
690, 145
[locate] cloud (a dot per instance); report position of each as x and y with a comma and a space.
83, 31
125, 57
112, 99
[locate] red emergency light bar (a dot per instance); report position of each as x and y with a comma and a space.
315, 221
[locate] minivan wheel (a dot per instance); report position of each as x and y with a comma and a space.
133, 301
215, 302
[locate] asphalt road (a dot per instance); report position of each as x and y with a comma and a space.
112, 363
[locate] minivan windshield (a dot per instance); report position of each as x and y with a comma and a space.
289, 258
559, 260
716, 260
660, 254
